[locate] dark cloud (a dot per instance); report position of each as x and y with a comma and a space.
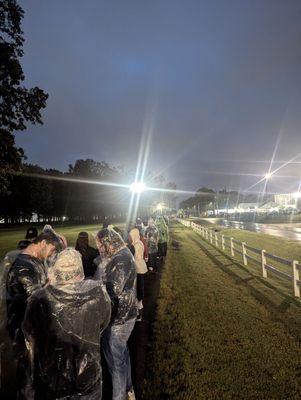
219, 80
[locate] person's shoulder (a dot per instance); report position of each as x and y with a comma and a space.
124, 256
89, 284
24, 265
25, 260
19, 265
11, 256
93, 290
124, 252
96, 286
92, 251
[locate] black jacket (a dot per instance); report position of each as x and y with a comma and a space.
63, 325
88, 256
120, 280
25, 275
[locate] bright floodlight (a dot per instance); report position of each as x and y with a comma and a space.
159, 207
268, 176
137, 187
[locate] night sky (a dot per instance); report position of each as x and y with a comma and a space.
216, 84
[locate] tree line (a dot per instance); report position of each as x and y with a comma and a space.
85, 193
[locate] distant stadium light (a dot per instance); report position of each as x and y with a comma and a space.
268, 176
159, 207
137, 187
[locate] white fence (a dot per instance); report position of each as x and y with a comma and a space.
248, 253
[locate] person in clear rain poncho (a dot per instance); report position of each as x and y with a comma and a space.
27, 273
62, 326
163, 236
119, 276
6, 356
152, 237
141, 268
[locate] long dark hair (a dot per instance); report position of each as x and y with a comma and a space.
82, 243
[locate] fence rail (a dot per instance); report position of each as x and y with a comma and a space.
278, 259
257, 251
235, 246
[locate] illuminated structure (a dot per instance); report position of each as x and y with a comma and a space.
288, 200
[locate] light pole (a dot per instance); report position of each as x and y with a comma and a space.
267, 177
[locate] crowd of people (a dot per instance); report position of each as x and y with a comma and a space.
62, 307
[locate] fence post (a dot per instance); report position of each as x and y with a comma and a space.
296, 277
263, 264
244, 253
223, 242
211, 237
216, 239
232, 246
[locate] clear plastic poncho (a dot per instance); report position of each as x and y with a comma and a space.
62, 327
162, 229
119, 276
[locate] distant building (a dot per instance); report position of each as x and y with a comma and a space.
269, 206
286, 199
244, 207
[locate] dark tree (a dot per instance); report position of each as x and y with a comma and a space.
28, 194
18, 105
90, 200
203, 200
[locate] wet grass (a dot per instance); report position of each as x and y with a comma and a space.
285, 248
221, 332
281, 247
9, 238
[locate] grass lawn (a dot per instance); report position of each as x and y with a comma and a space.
221, 332
9, 238
285, 248
281, 247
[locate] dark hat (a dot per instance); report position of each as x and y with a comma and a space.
83, 235
31, 233
23, 244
